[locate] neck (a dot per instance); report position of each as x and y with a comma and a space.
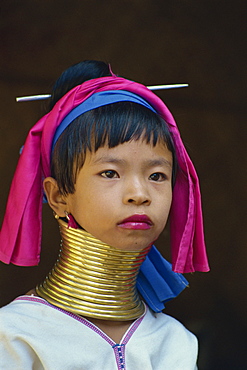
93, 279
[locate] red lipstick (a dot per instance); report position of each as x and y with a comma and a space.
136, 222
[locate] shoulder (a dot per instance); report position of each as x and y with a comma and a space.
33, 332
14, 315
25, 313
21, 304
169, 331
15, 320
168, 344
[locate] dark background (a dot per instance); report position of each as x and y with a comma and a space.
153, 42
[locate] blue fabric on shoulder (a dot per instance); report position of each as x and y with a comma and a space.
157, 283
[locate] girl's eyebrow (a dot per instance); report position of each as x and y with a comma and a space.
148, 163
108, 159
159, 162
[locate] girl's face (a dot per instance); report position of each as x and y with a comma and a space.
123, 194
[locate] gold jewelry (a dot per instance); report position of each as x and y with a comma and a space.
93, 279
56, 216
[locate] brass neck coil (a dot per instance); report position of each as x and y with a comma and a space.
93, 279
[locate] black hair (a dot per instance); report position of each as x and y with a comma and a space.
76, 75
110, 125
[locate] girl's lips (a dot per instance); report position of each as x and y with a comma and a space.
136, 222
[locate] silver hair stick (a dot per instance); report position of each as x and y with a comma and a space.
33, 97
47, 96
164, 87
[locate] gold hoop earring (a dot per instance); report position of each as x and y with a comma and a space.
56, 216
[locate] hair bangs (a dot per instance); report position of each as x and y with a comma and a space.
118, 123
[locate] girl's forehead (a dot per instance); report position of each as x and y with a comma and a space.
130, 151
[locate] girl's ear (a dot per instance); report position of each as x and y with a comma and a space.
56, 200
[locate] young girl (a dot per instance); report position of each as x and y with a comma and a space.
111, 162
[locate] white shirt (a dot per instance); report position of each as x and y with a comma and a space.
36, 335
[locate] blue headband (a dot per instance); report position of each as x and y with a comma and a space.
97, 100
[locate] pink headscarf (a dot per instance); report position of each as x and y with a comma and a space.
20, 236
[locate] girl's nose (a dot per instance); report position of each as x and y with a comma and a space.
137, 193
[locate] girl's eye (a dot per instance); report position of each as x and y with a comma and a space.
110, 174
157, 176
